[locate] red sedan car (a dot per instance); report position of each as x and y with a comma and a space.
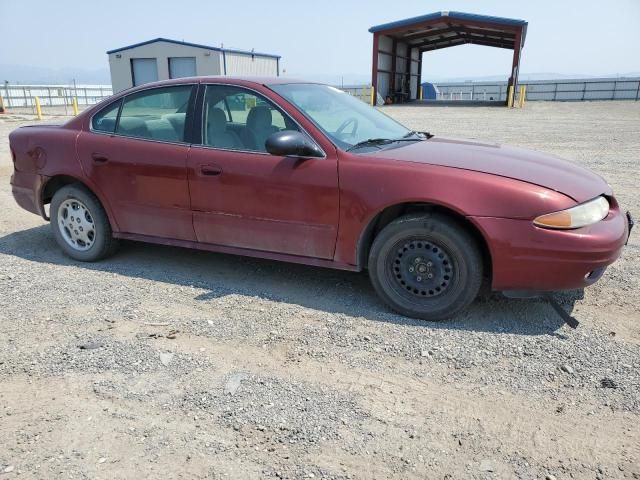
305, 173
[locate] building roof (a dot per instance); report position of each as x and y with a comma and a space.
447, 29
188, 44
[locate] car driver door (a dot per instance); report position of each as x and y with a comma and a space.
242, 196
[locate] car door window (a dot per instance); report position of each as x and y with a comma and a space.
105, 119
158, 114
234, 118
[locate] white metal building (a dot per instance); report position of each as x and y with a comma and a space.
162, 58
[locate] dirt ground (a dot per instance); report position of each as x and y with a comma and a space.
168, 363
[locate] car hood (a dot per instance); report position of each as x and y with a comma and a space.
517, 163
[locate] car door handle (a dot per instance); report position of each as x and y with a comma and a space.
210, 170
99, 158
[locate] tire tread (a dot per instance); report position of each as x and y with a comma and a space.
460, 239
106, 245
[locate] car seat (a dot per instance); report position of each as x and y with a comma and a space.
260, 127
218, 135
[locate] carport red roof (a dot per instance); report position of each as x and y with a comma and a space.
447, 29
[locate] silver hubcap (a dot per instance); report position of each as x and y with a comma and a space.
76, 224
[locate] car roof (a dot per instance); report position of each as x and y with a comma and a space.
258, 80
222, 79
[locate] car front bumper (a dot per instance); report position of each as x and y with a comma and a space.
528, 258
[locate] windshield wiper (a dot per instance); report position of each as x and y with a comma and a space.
370, 141
384, 141
426, 135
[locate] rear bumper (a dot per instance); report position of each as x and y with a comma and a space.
526, 257
26, 188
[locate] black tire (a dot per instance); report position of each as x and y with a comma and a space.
101, 244
411, 248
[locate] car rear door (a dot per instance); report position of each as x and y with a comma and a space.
136, 152
242, 196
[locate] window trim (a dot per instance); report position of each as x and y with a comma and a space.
188, 124
199, 112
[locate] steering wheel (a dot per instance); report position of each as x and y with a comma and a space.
349, 121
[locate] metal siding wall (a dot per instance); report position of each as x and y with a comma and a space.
384, 63
385, 44
401, 65
415, 56
415, 81
242, 64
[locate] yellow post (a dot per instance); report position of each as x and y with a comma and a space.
373, 96
74, 103
38, 109
523, 94
1, 104
420, 92
510, 97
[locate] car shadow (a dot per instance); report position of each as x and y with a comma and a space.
316, 288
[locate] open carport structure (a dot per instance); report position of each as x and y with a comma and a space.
398, 46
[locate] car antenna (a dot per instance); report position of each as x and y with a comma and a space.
568, 319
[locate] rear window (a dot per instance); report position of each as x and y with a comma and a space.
157, 114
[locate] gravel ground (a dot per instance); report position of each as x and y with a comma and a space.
163, 362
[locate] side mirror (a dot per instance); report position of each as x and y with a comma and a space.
291, 143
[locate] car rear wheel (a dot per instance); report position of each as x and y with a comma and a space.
426, 266
80, 225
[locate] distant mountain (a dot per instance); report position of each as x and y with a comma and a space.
25, 74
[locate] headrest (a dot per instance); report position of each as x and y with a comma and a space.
259, 118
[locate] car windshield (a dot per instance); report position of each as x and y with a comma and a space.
346, 120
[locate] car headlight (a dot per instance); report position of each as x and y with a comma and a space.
581, 215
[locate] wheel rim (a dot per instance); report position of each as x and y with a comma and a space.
420, 269
76, 225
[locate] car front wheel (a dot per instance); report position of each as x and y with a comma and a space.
426, 266
80, 225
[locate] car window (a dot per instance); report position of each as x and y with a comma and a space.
158, 114
345, 119
105, 119
238, 119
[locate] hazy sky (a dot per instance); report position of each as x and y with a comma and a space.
321, 37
